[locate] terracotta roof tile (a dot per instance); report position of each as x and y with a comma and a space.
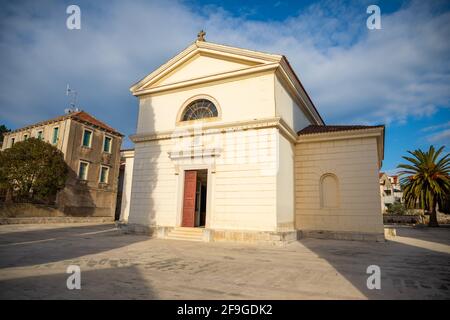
86, 117
312, 129
81, 116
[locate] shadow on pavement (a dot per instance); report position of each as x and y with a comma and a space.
52, 244
437, 235
408, 271
105, 283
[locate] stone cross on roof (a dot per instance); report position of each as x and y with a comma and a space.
201, 36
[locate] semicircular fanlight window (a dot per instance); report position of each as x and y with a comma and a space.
199, 109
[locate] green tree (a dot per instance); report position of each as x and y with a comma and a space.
425, 180
396, 208
33, 170
3, 130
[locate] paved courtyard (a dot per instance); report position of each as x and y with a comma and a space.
34, 259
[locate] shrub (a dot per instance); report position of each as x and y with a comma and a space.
396, 208
33, 170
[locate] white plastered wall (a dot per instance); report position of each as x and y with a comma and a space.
242, 181
154, 186
288, 109
127, 183
239, 100
285, 184
245, 181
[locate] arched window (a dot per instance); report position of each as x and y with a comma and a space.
329, 191
199, 109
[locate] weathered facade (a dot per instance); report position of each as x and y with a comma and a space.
92, 151
221, 154
390, 190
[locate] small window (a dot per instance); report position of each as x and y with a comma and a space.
83, 170
87, 138
199, 109
25, 137
55, 135
12, 141
40, 134
104, 172
107, 144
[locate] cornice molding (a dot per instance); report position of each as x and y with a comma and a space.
377, 133
208, 128
337, 135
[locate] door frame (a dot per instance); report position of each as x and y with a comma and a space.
209, 191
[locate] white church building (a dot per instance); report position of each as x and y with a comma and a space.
229, 146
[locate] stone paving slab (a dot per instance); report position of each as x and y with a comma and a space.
34, 260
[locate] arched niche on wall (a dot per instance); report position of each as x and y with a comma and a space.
329, 191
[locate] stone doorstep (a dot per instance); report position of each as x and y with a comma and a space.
262, 237
210, 235
47, 220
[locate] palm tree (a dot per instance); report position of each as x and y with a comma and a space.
426, 180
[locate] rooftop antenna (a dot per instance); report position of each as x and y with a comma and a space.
73, 100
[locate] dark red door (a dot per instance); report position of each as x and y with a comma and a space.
190, 185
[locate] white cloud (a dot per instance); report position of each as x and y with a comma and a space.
441, 136
435, 127
352, 74
439, 133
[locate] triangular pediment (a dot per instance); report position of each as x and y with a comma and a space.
203, 65
202, 60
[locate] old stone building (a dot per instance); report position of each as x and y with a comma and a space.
229, 146
92, 151
390, 190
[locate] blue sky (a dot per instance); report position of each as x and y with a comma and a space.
399, 75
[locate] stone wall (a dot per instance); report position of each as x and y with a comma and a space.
409, 219
26, 210
20, 213
336, 185
90, 197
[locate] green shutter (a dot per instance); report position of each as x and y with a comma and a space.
82, 173
55, 135
87, 138
107, 145
103, 174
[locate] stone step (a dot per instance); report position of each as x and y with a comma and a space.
190, 234
187, 232
184, 238
188, 229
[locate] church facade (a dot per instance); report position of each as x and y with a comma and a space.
229, 146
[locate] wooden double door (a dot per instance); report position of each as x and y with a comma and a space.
194, 199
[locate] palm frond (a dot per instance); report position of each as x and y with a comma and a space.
425, 177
